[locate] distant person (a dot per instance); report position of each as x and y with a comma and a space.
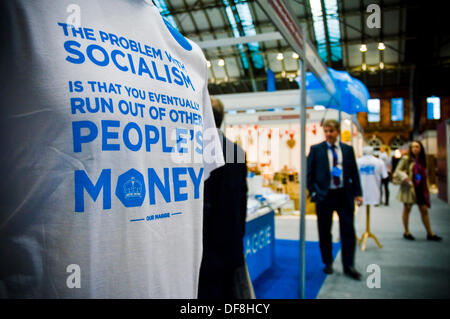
372, 171
333, 182
285, 170
396, 159
411, 175
384, 156
223, 272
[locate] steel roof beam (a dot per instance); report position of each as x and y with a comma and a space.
325, 29
271, 36
219, 4
262, 37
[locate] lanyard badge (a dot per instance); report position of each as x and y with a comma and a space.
336, 172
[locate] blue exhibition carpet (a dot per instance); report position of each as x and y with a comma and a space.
281, 280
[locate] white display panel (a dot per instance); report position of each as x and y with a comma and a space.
433, 108
374, 110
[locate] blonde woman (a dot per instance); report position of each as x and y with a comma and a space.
411, 175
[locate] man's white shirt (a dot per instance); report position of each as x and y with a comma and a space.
338, 151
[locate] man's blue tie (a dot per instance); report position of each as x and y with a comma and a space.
336, 179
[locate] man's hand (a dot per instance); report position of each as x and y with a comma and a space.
359, 201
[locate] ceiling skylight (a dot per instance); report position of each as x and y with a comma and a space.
332, 22
165, 12
240, 17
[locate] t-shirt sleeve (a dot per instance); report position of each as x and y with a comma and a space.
212, 147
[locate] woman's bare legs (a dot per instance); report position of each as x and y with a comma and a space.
426, 219
405, 217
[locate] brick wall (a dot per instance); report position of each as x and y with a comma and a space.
386, 129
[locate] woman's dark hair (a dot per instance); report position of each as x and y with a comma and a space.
422, 157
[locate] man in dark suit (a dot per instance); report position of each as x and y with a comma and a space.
333, 183
223, 273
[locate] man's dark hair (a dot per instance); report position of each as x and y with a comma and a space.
331, 123
218, 111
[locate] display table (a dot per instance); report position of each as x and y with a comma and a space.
259, 242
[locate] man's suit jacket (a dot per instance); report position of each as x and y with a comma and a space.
319, 176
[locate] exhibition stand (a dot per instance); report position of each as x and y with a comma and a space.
266, 125
326, 87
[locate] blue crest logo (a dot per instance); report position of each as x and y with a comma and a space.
178, 36
130, 189
133, 189
367, 170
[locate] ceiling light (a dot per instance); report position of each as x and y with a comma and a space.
221, 62
280, 56
381, 65
381, 46
363, 48
295, 56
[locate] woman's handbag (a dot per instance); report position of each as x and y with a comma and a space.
399, 177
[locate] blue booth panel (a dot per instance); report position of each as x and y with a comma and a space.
259, 244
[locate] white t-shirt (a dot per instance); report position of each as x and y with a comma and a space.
371, 171
95, 200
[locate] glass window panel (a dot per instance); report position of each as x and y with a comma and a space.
165, 12
397, 109
374, 110
334, 33
433, 108
246, 21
